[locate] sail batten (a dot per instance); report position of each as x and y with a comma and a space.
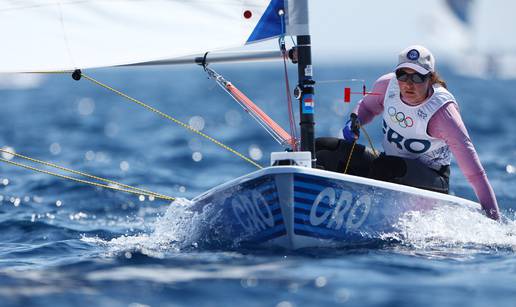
52, 35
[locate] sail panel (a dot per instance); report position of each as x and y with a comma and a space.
53, 35
270, 24
297, 21
461, 9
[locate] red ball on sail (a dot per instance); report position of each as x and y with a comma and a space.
248, 14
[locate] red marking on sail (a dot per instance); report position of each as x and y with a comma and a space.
248, 14
284, 135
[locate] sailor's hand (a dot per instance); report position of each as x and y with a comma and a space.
351, 131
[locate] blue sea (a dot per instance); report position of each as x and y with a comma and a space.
64, 243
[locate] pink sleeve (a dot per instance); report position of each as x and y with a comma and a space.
372, 105
447, 124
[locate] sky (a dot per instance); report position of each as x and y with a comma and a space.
376, 29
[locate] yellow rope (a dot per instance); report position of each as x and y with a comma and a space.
353, 148
142, 191
88, 182
370, 142
349, 157
117, 185
173, 120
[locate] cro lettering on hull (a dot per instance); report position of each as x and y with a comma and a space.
255, 211
325, 209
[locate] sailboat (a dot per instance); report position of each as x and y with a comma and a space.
486, 53
290, 204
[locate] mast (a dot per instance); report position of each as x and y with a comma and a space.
306, 93
305, 89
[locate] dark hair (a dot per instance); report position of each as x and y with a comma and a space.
435, 78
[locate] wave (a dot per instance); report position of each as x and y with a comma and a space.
456, 230
445, 231
172, 232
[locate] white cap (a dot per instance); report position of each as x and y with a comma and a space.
418, 58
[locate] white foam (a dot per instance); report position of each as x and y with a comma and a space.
171, 232
456, 227
448, 229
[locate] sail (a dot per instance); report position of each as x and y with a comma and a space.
461, 9
57, 35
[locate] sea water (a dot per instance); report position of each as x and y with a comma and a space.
64, 243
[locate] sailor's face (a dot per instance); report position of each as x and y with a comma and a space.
412, 92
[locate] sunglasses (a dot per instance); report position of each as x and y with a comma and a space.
416, 77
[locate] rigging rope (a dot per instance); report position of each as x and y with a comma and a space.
148, 194
291, 117
128, 187
349, 157
376, 154
180, 123
353, 148
77, 74
113, 185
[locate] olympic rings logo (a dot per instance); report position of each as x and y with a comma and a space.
400, 118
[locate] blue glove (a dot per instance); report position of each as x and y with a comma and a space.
351, 131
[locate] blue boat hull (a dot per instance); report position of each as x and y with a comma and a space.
296, 207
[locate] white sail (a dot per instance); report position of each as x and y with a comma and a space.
55, 35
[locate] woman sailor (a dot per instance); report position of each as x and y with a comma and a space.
421, 126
